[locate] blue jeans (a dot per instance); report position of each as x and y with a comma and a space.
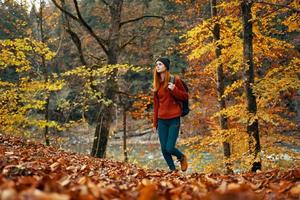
168, 130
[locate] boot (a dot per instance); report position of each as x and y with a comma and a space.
183, 163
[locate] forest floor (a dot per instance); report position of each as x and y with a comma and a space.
30, 170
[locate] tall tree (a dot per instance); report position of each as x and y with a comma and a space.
248, 76
220, 84
46, 74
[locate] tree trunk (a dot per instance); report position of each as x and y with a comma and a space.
46, 132
99, 118
105, 118
220, 88
124, 136
248, 76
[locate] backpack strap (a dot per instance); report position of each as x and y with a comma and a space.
172, 79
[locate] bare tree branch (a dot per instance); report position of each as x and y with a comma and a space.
60, 43
65, 11
266, 14
74, 37
80, 20
135, 36
128, 42
97, 58
122, 93
140, 18
100, 41
105, 2
278, 5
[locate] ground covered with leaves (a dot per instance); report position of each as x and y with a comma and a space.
30, 170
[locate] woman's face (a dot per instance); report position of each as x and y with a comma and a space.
160, 67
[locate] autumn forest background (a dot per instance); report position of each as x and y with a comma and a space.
77, 75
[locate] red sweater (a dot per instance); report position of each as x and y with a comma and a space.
165, 104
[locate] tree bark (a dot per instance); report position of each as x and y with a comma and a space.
44, 65
248, 76
223, 122
124, 136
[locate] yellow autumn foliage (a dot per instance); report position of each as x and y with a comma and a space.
19, 99
92, 81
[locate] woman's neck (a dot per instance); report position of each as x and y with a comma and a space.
162, 77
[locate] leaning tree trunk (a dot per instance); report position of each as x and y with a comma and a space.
220, 87
248, 76
104, 117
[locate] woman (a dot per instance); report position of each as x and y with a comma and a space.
167, 111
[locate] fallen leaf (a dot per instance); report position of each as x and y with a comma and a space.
148, 193
9, 153
233, 186
176, 191
167, 184
295, 191
64, 181
211, 180
91, 173
40, 195
146, 182
222, 188
83, 180
54, 166
8, 194
83, 167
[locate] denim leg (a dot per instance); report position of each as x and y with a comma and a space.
172, 138
163, 131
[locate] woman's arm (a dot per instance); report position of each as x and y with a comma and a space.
155, 109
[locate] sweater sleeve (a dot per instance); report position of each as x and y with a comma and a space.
155, 113
179, 90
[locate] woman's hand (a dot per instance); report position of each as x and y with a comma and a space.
154, 130
171, 86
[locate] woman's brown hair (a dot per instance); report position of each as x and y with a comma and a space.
156, 81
